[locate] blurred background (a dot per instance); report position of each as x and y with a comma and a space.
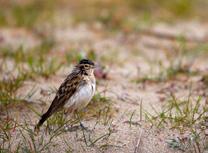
116, 15
151, 53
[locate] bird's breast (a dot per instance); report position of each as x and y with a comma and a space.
82, 96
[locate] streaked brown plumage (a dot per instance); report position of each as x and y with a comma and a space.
80, 79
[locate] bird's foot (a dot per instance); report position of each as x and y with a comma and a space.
69, 128
84, 128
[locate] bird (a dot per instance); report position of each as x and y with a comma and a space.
74, 93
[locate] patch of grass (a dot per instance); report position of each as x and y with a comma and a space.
7, 127
20, 54
58, 119
112, 14
74, 55
91, 141
118, 15
35, 59
25, 14
40, 67
189, 143
20, 137
29, 64
177, 8
22, 16
45, 46
8, 88
182, 7
27, 140
110, 58
91, 54
184, 115
178, 64
101, 108
167, 73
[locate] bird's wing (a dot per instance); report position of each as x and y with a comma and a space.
65, 91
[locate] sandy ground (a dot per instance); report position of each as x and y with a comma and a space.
130, 55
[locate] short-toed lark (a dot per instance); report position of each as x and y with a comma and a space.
75, 92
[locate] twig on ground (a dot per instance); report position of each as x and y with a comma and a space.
138, 141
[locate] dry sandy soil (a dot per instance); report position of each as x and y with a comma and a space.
127, 57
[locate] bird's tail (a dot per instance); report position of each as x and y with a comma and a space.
44, 117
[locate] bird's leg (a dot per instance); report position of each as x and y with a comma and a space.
71, 127
82, 126
66, 113
66, 126
80, 122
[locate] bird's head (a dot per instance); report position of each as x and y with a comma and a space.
86, 66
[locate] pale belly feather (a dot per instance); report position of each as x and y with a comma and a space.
81, 98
